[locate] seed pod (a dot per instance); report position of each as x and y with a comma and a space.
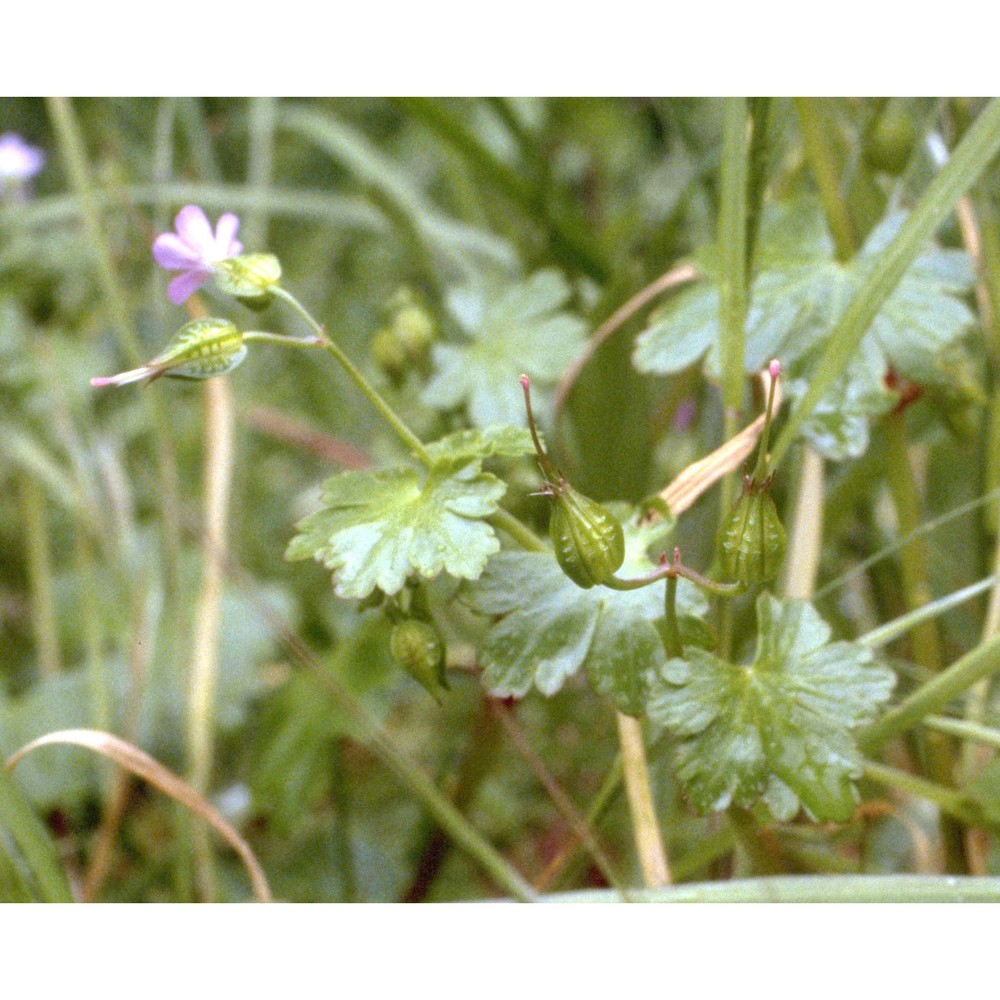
753, 545
418, 648
250, 278
415, 330
202, 348
890, 145
387, 352
588, 539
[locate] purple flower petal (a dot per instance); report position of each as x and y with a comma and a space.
194, 229
185, 285
172, 254
19, 161
225, 233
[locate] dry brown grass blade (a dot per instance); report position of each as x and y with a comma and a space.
701, 475
128, 756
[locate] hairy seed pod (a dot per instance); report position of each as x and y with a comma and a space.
202, 348
418, 648
753, 545
250, 277
588, 539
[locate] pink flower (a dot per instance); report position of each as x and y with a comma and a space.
19, 162
195, 250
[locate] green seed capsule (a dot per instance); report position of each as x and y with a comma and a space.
890, 145
588, 539
202, 348
251, 278
753, 545
418, 648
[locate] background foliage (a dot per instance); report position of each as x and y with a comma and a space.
447, 246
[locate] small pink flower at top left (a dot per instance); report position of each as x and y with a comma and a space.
194, 250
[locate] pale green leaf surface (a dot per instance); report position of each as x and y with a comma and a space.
778, 729
552, 628
799, 293
377, 528
496, 441
521, 330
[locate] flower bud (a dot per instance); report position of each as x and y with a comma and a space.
753, 544
418, 648
250, 277
588, 539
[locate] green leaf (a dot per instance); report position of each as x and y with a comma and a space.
376, 528
519, 330
553, 628
777, 729
799, 294
496, 441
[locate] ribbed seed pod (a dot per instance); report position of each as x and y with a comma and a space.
418, 648
588, 539
753, 545
250, 277
202, 348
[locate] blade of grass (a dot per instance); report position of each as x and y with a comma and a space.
934, 695
138, 762
34, 843
970, 159
810, 889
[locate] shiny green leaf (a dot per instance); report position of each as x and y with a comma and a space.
552, 628
778, 729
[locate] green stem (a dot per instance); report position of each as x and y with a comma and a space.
409, 439
948, 800
925, 529
925, 641
672, 642
262, 116
964, 730
675, 569
44, 618
732, 232
72, 147
981, 662
978, 147
915, 557
520, 532
824, 169
810, 889
891, 631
